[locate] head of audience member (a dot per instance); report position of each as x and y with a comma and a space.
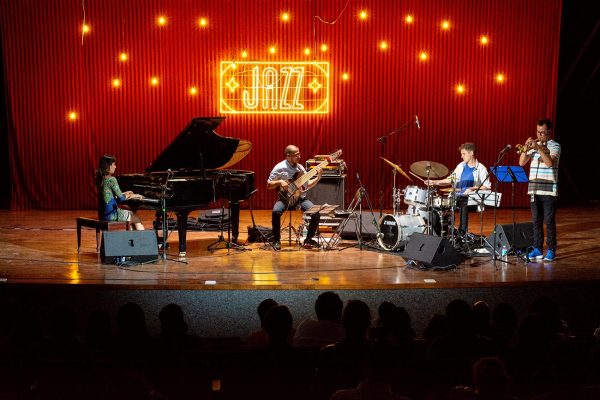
98, 330
63, 321
131, 322
356, 319
436, 327
384, 312
548, 309
278, 325
460, 316
489, 377
532, 334
505, 317
329, 306
172, 323
402, 321
263, 308
481, 317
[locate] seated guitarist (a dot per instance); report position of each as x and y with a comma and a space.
282, 177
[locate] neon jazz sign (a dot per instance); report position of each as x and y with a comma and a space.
274, 87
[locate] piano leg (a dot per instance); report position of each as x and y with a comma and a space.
182, 217
234, 218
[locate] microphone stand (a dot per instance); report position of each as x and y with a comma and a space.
383, 141
494, 253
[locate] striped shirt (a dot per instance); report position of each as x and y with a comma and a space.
543, 180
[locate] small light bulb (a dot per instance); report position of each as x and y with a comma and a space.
244, 54
460, 88
161, 20
324, 47
423, 56
484, 40
383, 45
203, 22
154, 81
409, 19
345, 76
285, 17
123, 57
193, 91
272, 50
307, 51
363, 14
445, 25
116, 83
72, 116
85, 28
500, 78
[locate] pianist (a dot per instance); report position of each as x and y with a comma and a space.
468, 176
109, 194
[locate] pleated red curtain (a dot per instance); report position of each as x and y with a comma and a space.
51, 70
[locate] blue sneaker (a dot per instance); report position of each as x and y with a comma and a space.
549, 255
535, 254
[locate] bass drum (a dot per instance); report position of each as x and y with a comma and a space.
396, 229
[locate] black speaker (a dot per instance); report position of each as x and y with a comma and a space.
433, 251
136, 246
368, 227
330, 190
522, 239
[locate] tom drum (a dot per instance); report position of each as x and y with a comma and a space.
414, 196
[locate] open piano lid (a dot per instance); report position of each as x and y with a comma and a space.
199, 147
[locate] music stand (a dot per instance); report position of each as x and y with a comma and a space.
323, 210
512, 174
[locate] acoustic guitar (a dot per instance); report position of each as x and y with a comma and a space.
292, 193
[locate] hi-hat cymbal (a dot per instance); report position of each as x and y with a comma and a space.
397, 168
429, 169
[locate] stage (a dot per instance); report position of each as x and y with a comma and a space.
222, 289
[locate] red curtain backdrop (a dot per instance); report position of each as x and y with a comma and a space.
50, 70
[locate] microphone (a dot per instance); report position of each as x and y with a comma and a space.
507, 148
417, 121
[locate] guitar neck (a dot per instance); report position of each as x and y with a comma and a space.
301, 181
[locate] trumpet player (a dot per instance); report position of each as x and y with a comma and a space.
544, 154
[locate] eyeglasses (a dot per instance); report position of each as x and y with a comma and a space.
546, 133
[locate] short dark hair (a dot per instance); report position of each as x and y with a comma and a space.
329, 306
545, 121
468, 147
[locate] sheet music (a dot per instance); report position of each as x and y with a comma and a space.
487, 196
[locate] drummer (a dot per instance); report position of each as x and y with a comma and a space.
467, 177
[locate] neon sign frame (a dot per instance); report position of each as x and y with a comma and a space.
254, 87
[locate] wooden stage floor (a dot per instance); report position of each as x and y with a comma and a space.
40, 247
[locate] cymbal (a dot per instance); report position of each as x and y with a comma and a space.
447, 190
429, 169
397, 168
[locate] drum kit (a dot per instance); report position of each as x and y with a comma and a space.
429, 210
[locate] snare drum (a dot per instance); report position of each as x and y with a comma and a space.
396, 229
441, 202
414, 195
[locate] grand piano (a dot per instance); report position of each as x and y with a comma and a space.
194, 168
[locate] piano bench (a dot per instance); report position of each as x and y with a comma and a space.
98, 225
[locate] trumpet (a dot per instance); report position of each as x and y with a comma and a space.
524, 148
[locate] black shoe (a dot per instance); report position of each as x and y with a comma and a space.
277, 245
310, 243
